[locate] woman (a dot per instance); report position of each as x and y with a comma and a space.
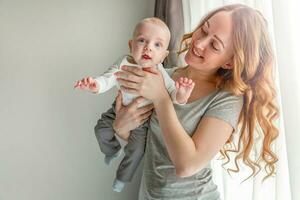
230, 59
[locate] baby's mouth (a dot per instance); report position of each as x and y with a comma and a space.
146, 57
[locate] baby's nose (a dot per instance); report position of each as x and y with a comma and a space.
147, 48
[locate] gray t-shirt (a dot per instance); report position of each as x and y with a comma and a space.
159, 180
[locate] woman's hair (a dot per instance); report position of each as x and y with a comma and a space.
252, 77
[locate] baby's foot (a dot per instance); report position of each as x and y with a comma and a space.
118, 185
109, 159
184, 87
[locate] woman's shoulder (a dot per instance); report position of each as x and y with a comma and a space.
226, 106
223, 95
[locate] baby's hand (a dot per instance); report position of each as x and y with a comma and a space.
87, 83
184, 87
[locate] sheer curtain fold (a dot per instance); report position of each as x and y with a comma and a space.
278, 187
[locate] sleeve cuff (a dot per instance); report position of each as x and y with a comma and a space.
100, 83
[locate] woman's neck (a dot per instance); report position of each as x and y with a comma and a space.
200, 76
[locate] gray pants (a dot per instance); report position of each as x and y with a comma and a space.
109, 144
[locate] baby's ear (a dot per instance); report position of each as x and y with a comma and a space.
166, 54
130, 45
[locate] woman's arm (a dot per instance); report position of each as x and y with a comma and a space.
130, 117
188, 154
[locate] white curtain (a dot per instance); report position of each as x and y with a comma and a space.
281, 17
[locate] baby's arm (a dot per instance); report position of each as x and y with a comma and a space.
102, 83
107, 80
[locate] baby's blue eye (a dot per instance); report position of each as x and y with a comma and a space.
157, 45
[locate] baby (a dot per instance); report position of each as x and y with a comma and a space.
148, 48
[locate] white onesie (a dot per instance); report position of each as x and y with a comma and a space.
107, 80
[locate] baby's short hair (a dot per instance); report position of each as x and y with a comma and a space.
152, 20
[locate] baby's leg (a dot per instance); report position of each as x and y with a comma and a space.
105, 134
134, 152
184, 88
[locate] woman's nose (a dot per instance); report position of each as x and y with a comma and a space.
201, 43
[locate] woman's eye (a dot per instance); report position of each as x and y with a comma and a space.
214, 46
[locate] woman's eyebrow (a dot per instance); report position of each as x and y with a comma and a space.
220, 41
207, 22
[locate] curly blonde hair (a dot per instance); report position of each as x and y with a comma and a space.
252, 77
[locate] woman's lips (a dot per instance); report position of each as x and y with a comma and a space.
196, 53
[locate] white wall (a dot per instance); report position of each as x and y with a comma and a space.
47, 145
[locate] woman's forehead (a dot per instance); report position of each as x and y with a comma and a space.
220, 24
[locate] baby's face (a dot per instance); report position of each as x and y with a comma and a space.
149, 45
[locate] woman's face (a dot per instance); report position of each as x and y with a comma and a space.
211, 45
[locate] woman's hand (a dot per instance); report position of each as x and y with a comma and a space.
130, 117
147, 82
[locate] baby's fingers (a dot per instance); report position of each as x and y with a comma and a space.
181, 80
85, 81
90, 80
77, 84
177, 85
192, 85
